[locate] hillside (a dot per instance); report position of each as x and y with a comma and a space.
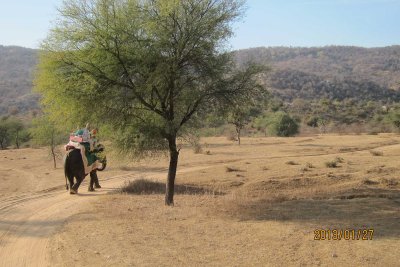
332, 72
16, 74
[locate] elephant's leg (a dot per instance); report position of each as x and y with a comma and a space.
96, 180
71, 182
91, 183
79, 179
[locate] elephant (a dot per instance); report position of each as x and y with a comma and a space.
73, 167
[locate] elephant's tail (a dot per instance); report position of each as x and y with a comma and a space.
66, 171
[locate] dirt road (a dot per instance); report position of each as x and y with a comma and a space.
27, 221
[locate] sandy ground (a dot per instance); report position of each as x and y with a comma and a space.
261, 204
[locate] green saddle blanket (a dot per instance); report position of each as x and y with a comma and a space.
91, 157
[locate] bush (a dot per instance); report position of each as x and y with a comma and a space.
376, 153
281, 124
143, 186
232, 169
148, 187
309, 165
312, 122
339, 160
331, 164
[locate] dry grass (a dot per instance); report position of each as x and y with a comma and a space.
376, 153
370, 182
266, 217
143, 186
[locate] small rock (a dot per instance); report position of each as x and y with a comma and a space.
334, 255
96, 252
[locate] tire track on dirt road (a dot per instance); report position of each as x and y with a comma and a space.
28, 221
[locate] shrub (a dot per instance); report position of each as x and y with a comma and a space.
331, 164
309, 165
376, 153
312, 122
339, 160
281, 124
144, 187
233, 169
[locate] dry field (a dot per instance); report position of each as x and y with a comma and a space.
257, 204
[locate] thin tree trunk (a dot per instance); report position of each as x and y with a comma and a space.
173, 164
17, 140
54, 157
52, 152
238, 129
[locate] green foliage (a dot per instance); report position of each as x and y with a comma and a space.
25, 136
46, 133
15, 127
146, 68
312, 122
143, 68
12, 131
213, 121
138, 141
4, 134
281, 124
261, 123
393, 117
239, 116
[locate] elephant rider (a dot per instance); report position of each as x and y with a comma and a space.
85, 141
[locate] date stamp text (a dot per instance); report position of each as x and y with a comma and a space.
343, 234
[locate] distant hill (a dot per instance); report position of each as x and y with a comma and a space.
332, 72
17, 65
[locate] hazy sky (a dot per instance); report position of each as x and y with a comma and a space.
366, 23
